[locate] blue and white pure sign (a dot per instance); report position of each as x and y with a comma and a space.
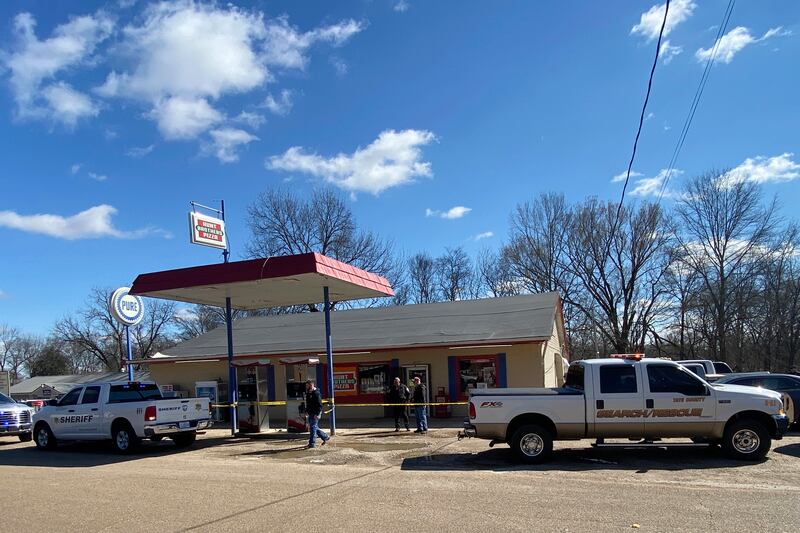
126, 308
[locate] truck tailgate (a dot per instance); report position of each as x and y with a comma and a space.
178, 410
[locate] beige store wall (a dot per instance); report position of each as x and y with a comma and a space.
524, 368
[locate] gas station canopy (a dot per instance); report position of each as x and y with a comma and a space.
260, 283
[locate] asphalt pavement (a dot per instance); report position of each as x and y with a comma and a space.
373, 479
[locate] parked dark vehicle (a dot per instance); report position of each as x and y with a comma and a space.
786, 383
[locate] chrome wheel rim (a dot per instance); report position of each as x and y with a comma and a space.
123, 440
746, 441
42, 438
531, 444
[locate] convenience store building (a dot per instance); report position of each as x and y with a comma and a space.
517, 341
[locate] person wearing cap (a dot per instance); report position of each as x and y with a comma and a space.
399, 394
313, 411
420, 410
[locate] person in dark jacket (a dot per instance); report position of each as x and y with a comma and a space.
421, 411
399, 393
314, 411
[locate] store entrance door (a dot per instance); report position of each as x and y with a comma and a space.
424, 374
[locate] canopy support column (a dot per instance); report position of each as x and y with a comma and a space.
329, 353
231, 369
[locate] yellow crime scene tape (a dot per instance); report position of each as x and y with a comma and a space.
343, 404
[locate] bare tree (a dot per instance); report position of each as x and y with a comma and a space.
622, 273
422, 279
281, 223
726, 232
13, 351
495, 274
95, 332
454, 275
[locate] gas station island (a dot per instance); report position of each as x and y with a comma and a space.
515, 341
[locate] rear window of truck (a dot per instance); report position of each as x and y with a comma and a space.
133, 392
575, 377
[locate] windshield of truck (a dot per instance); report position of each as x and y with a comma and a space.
134, 392
5, 399
575, 377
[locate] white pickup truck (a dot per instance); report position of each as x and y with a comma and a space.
124, 412
629, 398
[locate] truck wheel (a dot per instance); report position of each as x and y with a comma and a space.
184, 440
123, 439
26, 437
532, 444
746, 440
45, 440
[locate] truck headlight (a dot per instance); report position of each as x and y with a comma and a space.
781, 411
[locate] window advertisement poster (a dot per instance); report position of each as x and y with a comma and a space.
345, 380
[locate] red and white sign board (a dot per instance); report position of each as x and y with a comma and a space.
207, 230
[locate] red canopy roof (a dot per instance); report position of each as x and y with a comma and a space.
259, 283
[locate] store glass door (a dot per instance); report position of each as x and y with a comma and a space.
423, 372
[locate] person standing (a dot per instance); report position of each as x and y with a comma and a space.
399, 394
314, 411
420, 410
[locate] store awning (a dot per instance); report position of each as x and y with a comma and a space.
300, 361
261, 283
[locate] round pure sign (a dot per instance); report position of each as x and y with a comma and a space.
126, 308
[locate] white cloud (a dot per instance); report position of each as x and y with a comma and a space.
186, 314
185, 56
734, 42
286, 46
3, 295
66, 105
484, 235
98, 177
401, 6
254, 120
652, 186
226, 141
281, 105
92, 223
393, 159
651, 20
34, 61
75, 168
760, 169
451, 214
339, 65
184, 118
138, 152
621, 176
668, 52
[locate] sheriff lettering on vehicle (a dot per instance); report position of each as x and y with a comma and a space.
632, 397
122, 412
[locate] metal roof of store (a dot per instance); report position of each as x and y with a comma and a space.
489, 321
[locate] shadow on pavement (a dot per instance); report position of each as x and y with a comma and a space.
580, 460
88, 454
792, 450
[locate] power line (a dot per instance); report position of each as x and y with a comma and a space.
641, 117
696, 100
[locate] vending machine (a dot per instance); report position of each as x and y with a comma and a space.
298, 370
252, 387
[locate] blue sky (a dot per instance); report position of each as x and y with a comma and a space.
434, 118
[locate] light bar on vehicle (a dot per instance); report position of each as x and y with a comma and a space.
633, 356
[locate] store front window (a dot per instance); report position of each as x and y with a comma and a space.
373, 379
476, 372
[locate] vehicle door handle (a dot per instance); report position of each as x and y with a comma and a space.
601, 404
649, 404
71, 411
94, 409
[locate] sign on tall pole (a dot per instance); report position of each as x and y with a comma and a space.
207, 230
128, 310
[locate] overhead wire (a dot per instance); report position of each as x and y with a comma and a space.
696, 100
